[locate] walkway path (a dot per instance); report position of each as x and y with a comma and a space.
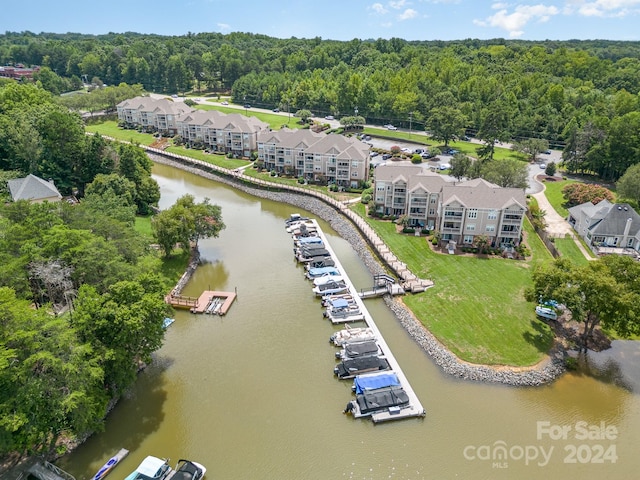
556, 225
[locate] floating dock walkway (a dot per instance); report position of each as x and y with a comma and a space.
209, 301
415, 408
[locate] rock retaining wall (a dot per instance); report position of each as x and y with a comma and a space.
541, 374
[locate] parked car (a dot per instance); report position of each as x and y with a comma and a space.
547, 152
427, 155
329, 117
374, 154
224, 103
405, 150
276, 110
246, 105
444, 166
543, 166
386, 156
367, 137
391, 127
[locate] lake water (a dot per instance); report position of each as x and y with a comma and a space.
251, 395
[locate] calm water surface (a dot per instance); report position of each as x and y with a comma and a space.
251, 395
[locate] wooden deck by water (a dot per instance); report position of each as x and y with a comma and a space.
201, 303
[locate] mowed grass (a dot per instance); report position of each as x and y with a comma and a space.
275, 121
110, 129
553, 192
568, 249
477, 306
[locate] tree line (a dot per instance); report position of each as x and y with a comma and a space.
81, 291
578, 94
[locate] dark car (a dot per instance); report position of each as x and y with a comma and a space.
427, 155
386, 156
246, 105
276, 110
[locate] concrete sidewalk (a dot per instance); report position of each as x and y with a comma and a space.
556, 225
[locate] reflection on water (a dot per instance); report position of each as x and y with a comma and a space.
251, 395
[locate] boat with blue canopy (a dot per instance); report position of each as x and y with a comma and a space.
374, 381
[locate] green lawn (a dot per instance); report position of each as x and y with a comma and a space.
476, 308
568, 249
110, 129
553, 192
215, 159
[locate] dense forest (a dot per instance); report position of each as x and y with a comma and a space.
578, 95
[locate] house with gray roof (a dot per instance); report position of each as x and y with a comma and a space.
33, 189
459, 211
317, 157
608, 228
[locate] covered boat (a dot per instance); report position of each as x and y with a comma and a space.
319, 261
351, 367
322, 271
330, 287
311, 240
359, 349
188, 470
350, 334
390, 399
375, 381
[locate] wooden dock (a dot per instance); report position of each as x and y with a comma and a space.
414, 408
201, 304
208, 296
48, 471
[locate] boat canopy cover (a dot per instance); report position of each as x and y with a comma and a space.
377, 400
353, 366
339, 303
374, 381
360, 349
321, 262
309, 240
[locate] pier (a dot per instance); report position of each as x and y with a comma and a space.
209, 301
415, 408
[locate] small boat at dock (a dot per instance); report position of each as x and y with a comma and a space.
330, 287
390, 399
351, 334
188, 470
321, 272
375, 381
351, 367
359, 349
318, 261
151, 468
111, 463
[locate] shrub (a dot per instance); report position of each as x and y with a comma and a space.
408, 230
434, 240
395, 150
578, 193
301, 180
416, 159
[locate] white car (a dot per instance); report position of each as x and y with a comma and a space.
543, 166
444, 166
329, 117
406, 150
391, 127
224, 103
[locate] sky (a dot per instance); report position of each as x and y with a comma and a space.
335, 19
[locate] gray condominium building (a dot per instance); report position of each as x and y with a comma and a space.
459, 211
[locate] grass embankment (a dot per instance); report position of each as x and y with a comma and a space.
477, 306
110, 129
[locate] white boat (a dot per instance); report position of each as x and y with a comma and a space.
324, 279
188, 470
349, 334
151, 468
321, 272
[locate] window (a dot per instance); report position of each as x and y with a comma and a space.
492, 215
471, 227
491, 228
630, 242
432, 211
468, 239
472, 213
